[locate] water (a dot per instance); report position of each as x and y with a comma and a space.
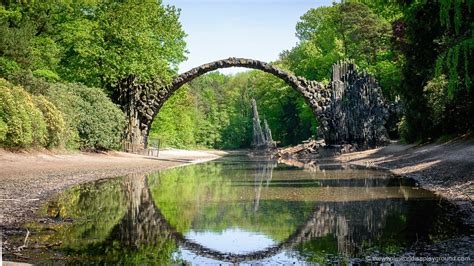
241, 210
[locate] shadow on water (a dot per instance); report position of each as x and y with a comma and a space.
240, 210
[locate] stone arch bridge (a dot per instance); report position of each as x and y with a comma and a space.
349, 110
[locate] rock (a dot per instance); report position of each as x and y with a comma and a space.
356, 112
262, 139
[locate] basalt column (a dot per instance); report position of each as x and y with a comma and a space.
262, 138
357, 113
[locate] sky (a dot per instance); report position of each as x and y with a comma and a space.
255, 29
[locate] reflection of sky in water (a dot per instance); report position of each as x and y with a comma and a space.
283, 258
232, 240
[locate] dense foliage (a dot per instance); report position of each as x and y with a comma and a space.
66, 115
97, 43
437, 40
94, 121
23, 123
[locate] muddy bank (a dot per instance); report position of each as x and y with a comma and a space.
446, 169
28, 179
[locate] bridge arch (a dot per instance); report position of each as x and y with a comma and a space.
350, 109
315, 93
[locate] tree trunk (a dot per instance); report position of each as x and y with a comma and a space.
129, 97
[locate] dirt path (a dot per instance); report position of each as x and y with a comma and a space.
446, 169
27, 180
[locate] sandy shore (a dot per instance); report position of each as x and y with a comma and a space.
28, 179
446, 169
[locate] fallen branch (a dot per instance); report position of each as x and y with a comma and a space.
25, 242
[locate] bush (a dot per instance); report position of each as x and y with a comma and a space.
436, 94
102, 122
63, 100
3, 130
17, 124
67, 115
54, 122
46, 74
39, 130
92, 121
23, 123
403, 130
8, 67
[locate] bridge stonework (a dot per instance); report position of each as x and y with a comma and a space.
362, 121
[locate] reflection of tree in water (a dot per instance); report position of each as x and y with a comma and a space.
136, 238
345, 228
351, 224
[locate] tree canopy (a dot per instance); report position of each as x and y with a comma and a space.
97, 43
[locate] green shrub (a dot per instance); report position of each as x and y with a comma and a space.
92, 120
436, 94
101, 122
16, 130
403, 129
3, 129
8, 67
39, 130
24, 123
3, 119
46, 74
65, 101
54, 121
69, 115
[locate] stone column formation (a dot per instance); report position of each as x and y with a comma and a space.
357, 112
349, 110
262, 138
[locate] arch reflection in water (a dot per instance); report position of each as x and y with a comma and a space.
287, 214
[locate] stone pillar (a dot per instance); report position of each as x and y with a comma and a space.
262, 139
356, 113
258, 139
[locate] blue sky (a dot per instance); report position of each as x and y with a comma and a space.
256, 29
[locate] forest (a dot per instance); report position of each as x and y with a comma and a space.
65, 67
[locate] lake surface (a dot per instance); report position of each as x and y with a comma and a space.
241, 210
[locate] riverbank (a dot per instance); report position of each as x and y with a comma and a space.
28, 179
447, 169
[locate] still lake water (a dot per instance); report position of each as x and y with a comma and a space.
241, 210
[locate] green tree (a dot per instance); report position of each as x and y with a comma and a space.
288, 115
349, 30
437, 40
177, 122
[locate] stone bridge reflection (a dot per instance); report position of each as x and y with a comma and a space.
351, 223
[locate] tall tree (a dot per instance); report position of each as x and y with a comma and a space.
437, 40
344, 31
